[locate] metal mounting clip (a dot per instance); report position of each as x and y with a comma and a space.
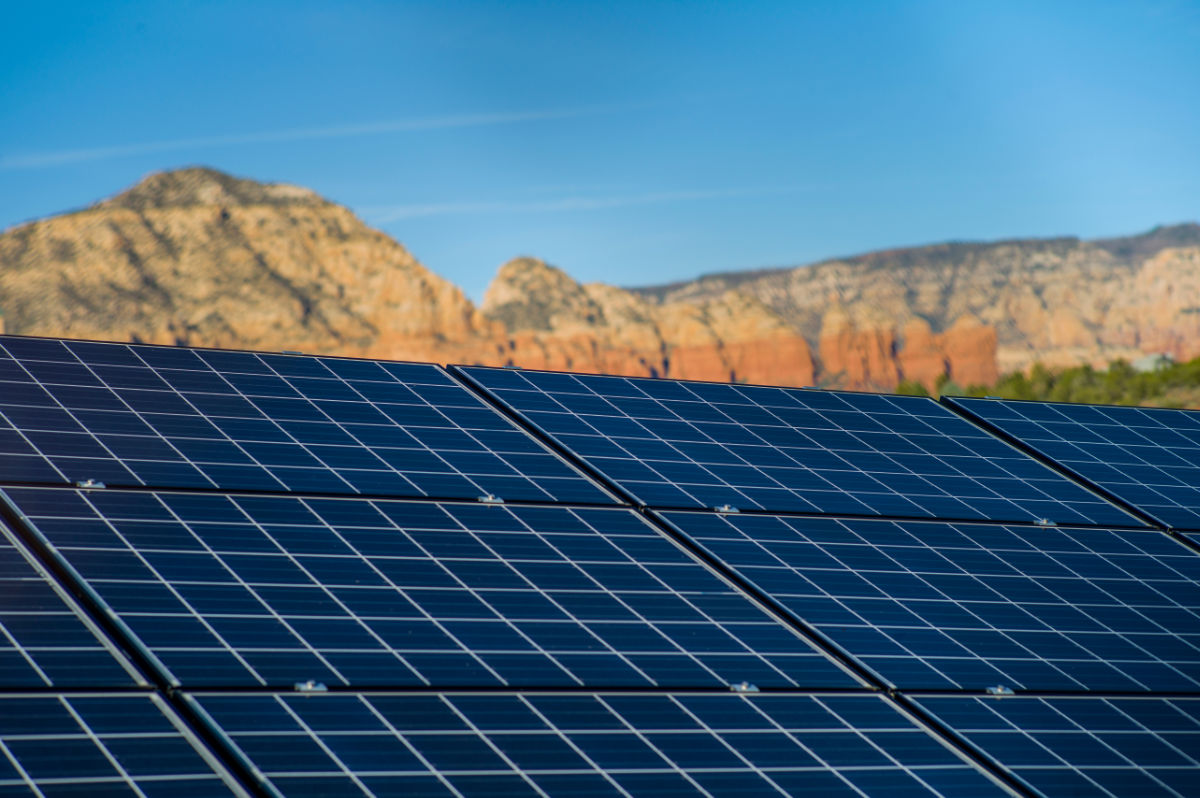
310, 687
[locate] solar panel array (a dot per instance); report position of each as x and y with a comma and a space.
231, 590
1085, 745
677, 444
45, 639
590, 744
1148, 457
932, 605
291, 575
103, 744
166, 417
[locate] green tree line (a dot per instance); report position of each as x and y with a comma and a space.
1170, 385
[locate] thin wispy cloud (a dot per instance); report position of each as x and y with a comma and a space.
39, 160
392, 213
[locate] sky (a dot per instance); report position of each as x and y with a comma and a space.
632, 143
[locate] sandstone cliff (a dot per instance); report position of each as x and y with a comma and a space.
556, 323
202, 258
731, 335
942, 308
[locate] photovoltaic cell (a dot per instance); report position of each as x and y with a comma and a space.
60, 745
44, 639
1146, 456
1085, 746
562, 647
692, 444
273, 590
170, 417
589, 744
938, 605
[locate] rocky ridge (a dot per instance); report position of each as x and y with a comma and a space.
202, 258
196, 257
1058, 301
554, 322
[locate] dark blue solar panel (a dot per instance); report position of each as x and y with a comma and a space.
95, 744
275, 590
1085, 746
1146, 456
167, 417
45, 641
248, 593
938, 605
687, 444
589, 744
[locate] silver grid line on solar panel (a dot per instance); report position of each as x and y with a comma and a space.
277, 590
46, 638
104, 744
1148, 519
150, 669
457, 743
324, 556
1146, 458
675, 444
929, 604
1109, 746
162, 417
343, 500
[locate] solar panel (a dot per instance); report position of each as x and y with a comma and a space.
275, 590
171, 417
1146, 456
1085, 746
45, 641
589, 744
102, 744
933, 605
693, 444
366, 579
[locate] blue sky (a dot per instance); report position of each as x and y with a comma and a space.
632, 143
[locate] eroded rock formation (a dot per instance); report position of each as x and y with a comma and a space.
950, 308
198, 257
556, 323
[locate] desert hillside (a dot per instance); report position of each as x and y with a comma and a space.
198, 257
1057, 301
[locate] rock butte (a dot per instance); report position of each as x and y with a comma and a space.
201, 258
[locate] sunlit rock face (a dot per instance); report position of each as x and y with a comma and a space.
554, 322
971, 311
201, 258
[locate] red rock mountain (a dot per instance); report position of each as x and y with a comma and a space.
201, 258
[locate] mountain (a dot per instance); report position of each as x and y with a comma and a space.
554, 322
1057, 301
198, 257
